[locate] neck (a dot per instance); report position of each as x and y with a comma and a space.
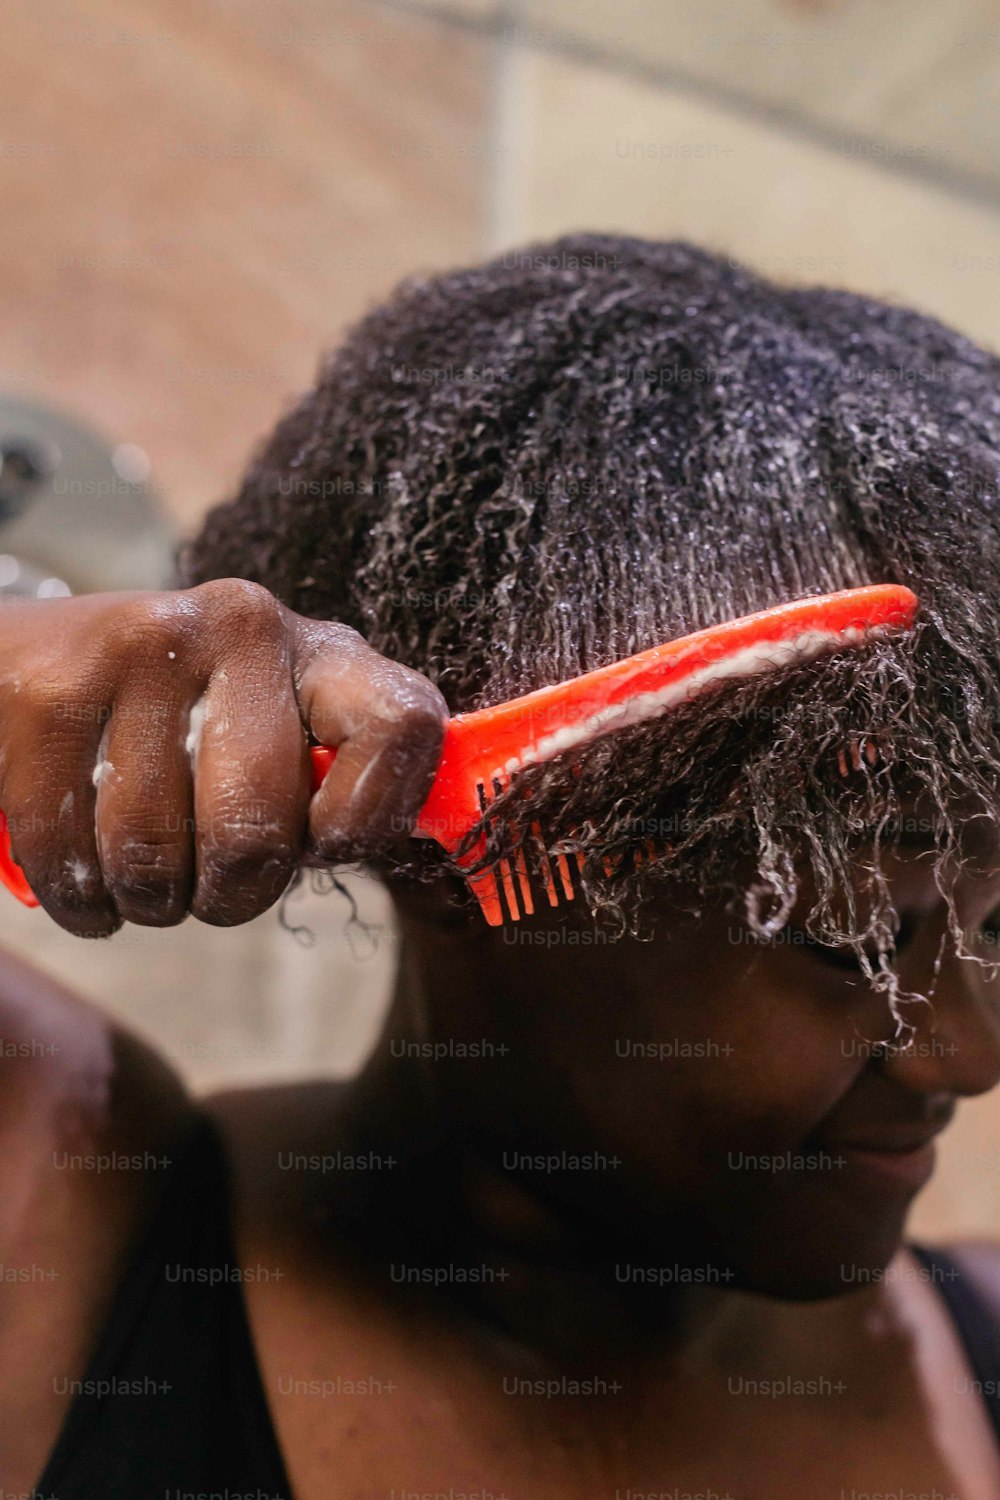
543, 1274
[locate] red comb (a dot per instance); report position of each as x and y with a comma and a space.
483, 749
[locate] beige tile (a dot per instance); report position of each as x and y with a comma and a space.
231, 1005
963, 1198
200, 194
593, 150
476, 10
921, 77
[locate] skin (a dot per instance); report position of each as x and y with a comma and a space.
757, 1051
96, 699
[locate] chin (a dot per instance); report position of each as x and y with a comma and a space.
827, 1260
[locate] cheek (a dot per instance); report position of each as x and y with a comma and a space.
717, 1050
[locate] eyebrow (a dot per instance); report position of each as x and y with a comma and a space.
896, 834
916, 838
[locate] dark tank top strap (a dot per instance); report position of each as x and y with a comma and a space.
172, 1400
976, 1322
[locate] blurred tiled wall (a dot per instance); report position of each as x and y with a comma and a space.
200, 194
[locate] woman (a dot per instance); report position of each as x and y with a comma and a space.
618, 1206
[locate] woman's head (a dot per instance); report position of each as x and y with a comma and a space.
515, 473
512, 474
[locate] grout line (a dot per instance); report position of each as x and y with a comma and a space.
958, 182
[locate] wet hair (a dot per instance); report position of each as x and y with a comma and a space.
511, 474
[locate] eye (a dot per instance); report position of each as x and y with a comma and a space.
845, 959
988, 932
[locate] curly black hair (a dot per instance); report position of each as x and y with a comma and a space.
514, 473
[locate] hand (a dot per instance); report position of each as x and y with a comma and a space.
154, 752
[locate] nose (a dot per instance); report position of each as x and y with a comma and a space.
955, 1045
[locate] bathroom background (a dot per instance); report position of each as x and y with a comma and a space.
199, 195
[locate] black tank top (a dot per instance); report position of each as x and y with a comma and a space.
172, 1400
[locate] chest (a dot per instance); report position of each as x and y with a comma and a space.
385, 1409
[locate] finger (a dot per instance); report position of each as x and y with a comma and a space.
251, 790
387, 723
145, 803
49, 799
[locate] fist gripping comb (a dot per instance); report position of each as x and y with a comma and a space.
482, 750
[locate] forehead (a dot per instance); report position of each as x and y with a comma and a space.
905, 816
920, 828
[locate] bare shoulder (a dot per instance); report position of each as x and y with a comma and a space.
88, 1116
73, 1084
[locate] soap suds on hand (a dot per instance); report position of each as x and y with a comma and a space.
197, 723
103, 766
81, 873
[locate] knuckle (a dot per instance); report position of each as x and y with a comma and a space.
236, 885
94, 921
240, 840
242, 604
414, 709
243, 853
331, 635
53, 702
428, 698
147, 871
150, 623
69, 881
414, 734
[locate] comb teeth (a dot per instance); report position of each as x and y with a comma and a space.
515, 881
514, 876
520, 876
